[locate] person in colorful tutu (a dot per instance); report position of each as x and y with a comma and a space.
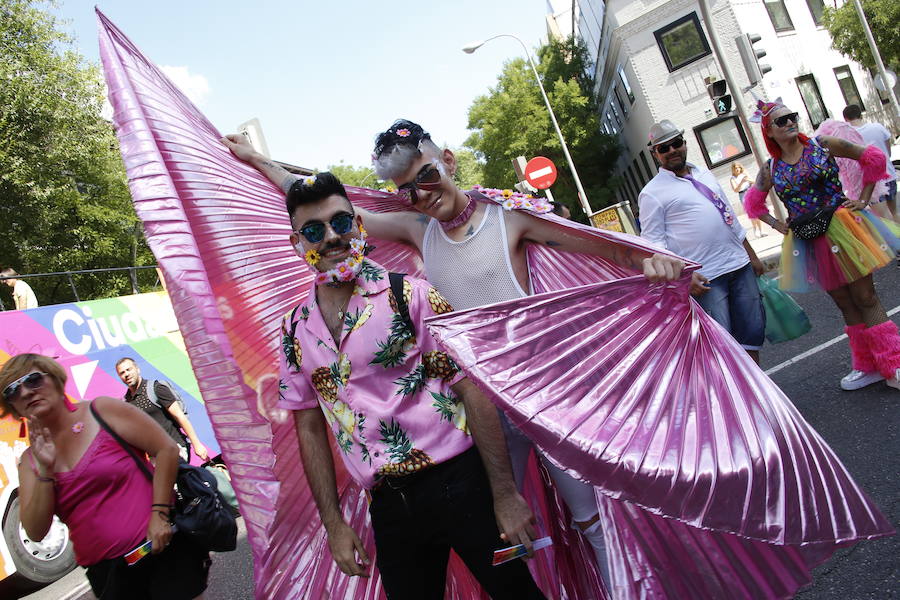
831, 242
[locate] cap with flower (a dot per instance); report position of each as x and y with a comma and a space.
402, 132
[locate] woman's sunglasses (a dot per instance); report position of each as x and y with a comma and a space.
314, 231
783, 120
428, 179
32, 381
676, 143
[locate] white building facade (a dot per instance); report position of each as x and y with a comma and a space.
652, 57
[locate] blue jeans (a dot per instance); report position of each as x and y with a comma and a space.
735, 302
891, 191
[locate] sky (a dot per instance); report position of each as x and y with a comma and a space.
323, 78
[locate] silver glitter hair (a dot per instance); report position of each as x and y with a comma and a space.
397, 160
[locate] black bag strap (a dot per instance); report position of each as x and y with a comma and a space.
122, 443
396, 280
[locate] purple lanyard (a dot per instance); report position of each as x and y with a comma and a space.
713, 197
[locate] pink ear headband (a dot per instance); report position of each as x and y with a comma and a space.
764, 108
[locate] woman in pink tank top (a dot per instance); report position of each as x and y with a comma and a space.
78, 471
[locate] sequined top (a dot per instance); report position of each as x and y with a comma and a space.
810, 184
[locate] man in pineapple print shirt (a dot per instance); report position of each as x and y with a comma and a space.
406, 421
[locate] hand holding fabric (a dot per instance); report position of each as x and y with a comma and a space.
660, 267
239, 146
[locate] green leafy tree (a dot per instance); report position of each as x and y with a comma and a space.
512, 120
358, 176
64, 202
848, 36
469, 170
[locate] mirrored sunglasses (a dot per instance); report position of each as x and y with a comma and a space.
314, 231
428, 179
32, 381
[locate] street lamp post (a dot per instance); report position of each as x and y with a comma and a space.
472, 47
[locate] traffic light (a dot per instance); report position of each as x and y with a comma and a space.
718, 91
750, 57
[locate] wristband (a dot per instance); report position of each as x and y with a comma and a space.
164, 515
45, 479
164, 505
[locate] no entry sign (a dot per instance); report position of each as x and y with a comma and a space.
540, 172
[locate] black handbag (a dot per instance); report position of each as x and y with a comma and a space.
200, 511
812, 224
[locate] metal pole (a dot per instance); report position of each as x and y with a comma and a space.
880, 64
72, 285
739, 104
582, 197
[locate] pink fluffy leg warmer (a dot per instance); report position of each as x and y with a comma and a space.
859, 349
884, 343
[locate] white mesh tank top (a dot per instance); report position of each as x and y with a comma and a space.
475, 271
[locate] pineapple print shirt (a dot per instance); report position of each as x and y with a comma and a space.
384, 393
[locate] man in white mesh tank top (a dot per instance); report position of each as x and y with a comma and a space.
475, 254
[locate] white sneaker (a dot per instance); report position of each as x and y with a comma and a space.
855, 380
894, 381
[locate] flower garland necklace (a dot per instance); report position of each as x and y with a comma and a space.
346, 270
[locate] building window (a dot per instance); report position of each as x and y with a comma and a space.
646, 165
781, 20
616, 115
619, 100
682, 42
624, 79
812, 99
848, 86
634, 183
816, 8
722, 140
638, 172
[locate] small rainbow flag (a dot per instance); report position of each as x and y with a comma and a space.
138, 553
513, 552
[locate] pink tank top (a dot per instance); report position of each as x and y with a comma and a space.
105, 501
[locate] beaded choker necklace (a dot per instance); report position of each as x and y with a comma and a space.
461, 217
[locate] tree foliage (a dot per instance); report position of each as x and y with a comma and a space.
512, 120
469, 170
64, 202
848, 36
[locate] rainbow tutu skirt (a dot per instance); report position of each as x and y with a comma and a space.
857, 242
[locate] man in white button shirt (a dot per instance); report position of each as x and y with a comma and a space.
684, 210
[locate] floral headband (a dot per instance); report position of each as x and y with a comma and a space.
401, 132
764, 108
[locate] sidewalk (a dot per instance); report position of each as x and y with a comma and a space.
768, 247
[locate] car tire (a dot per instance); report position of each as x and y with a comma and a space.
42, 562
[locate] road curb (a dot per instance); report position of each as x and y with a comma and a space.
78, 592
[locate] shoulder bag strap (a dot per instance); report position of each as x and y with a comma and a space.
122, 443
396, 280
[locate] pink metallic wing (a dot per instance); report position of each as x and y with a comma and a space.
632, 387
219, 232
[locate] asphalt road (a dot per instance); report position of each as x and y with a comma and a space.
863, 428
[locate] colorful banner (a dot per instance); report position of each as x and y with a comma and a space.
88, 338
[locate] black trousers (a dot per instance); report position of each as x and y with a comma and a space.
417, 521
